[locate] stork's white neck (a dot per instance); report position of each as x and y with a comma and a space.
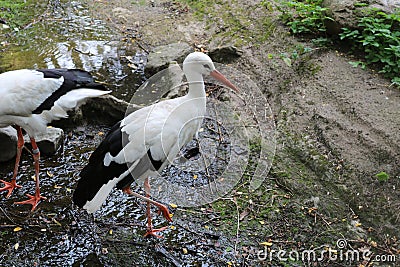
196, 85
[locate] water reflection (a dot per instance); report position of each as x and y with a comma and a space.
70, 38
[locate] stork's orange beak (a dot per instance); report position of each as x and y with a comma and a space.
218, 76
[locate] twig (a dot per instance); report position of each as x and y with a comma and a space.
28, 225
211, 235
320, 215
5, 214
237, 224
142, 47
283, 241
143, 244
283, 186
40, 18
209, 220
83, 53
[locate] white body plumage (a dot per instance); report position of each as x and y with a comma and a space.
23, 91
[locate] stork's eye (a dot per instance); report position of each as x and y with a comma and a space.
206, 66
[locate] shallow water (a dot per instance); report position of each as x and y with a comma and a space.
68, 37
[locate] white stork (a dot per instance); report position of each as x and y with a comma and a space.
145, 141
30, 99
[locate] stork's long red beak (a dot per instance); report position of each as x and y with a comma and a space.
218, 76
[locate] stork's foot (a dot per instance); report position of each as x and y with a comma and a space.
165, 212
9, 186
33, 200
152, 232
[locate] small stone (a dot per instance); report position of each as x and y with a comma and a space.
48, 142
225, 54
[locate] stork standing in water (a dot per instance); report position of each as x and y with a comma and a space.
30, 99
145, 141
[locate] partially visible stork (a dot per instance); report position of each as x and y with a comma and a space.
30, 99
146, 141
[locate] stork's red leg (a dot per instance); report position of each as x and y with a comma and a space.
10, 186
34, 199
162, 208
150, 230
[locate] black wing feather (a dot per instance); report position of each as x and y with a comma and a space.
95, 174
73, 79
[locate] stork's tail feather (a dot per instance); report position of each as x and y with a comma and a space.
97, 178
84, 189
91, 191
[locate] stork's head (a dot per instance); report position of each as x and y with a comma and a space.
198, 62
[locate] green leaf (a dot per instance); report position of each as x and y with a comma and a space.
382, 176
228, 249
287, 61
355, 64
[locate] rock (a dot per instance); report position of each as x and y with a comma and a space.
176, 76
388, 6
225, 54
163, 55
8, 141
165, 84
106, 109
342, 13
48, 142
345, 13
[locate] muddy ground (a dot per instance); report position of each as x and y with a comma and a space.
337, 127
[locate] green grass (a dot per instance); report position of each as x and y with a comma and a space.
303, 16
16, 12
382, 177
